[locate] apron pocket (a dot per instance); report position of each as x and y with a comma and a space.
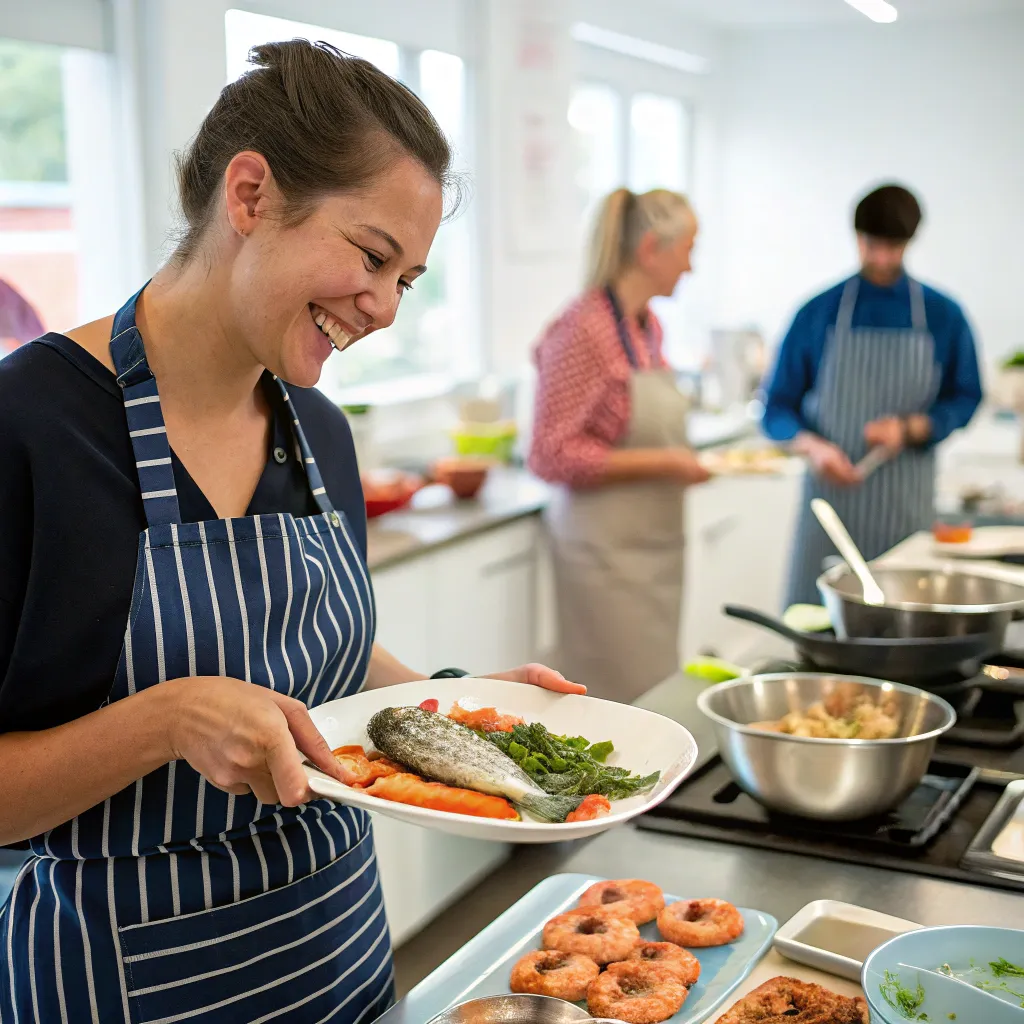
309, 947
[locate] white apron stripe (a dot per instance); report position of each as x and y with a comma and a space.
141, 401
90, 982
61, 998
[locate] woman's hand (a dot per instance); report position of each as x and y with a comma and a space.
684, 467
542, 676
242, 737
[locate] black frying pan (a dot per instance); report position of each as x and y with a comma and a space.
901, 660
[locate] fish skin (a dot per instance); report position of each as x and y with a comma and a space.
438, 748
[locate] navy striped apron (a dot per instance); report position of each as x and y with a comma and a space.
175, 901
867, 373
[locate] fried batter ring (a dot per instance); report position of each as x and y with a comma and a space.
669, 957
592, 931
699, 923
636, 993
546, 972
789, 1001
634, 898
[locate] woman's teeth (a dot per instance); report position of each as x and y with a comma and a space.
336, 334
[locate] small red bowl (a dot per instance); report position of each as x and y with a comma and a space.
386, 491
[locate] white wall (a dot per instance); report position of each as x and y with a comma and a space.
816, 115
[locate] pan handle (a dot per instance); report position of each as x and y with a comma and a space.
1003, 679
737, 611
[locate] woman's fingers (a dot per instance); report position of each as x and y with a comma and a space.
307, 738
542, 676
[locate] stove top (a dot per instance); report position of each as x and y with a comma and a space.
928, 834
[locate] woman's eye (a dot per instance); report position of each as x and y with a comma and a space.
406, 286
376, 262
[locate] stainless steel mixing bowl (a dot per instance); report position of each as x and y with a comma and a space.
920, 603
513, 1009
831, 780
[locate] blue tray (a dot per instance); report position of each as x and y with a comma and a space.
482, 967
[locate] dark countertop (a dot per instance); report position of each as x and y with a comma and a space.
778, 883
436, 518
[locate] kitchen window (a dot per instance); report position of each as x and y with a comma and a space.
65, 236
434, 342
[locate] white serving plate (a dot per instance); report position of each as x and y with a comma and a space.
985, 542
848, 926
644, 743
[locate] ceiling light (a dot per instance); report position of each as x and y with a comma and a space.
876, 10
656, 53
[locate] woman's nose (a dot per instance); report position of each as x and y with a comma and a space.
380, 305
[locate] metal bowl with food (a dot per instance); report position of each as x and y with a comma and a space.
820, 768
924, 602
513, 1009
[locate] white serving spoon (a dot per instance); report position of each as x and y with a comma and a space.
833, 526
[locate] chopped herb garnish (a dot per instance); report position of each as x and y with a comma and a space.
899, 997
1003, 968
569, 765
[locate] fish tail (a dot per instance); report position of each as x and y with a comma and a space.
547, 807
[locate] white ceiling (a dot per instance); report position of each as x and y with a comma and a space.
740, 13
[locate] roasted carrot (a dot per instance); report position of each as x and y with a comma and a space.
358, 770
411, 789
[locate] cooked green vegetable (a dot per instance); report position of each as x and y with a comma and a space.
569, 765
1003, 968
901, 998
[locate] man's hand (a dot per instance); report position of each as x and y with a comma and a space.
828, 461
889, 432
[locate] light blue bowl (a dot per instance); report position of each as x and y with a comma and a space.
914, 958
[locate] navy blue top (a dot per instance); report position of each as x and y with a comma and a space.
71, 514
801, 352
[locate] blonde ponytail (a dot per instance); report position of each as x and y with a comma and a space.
624, 219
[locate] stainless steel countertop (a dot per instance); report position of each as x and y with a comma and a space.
778, 883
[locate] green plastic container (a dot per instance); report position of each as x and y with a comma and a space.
485, 440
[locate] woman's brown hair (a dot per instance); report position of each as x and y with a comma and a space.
325, 121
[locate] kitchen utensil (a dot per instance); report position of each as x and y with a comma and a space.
926, 602
871, 592
831, 780
837, 937
904, 659
482, 967
878, 456
644, 743
998, 846
513, 1009
464, 475
914, 959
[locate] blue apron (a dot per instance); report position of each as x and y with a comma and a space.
867, 373
172, 900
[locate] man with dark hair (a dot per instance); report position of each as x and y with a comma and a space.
879, 361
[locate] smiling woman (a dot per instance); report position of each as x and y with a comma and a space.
170, 468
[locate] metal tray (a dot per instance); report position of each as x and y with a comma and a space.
980, 855
482, 967
796, 939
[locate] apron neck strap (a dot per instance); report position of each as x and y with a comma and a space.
148, 432
918, 316
623, 328
146, 426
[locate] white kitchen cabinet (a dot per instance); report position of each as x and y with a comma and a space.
739, 530
403, 593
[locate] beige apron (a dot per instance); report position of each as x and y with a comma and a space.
618, 558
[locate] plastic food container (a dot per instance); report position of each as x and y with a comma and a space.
487, 440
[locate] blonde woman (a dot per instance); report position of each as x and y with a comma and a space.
610, 431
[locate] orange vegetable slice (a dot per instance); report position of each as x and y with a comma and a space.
484, 719
593, 806
358, 770
406, 788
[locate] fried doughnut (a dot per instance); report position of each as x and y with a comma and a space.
547, 972
629, 897
699, 923
592, 931
789, 1001
637, 993
670, 957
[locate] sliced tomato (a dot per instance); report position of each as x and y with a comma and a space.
484, 719
358, 770
431, 704
593, 806
411, 789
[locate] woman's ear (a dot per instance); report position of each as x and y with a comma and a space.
246, 182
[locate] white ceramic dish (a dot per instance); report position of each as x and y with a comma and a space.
644, 743
837, 937
985, 542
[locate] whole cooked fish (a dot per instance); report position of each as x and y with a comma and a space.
438, 748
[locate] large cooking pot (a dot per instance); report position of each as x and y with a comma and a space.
920, 603
827, 779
